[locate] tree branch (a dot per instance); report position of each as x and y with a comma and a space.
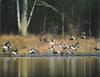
18, 13
32, 12
48, 5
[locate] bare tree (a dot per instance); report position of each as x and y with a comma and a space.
23, 21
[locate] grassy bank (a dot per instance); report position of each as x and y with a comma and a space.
26, 43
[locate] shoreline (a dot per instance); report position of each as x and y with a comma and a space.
52, 55
24, 44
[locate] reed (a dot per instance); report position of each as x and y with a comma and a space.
26, 43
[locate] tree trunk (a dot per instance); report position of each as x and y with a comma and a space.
22, 22
18, 15
23, 28
62, 25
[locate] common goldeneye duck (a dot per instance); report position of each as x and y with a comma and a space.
5, 48
33, 51
52, 42
72, 47
45, 40
97, 48
53, 50
14, 52
83, 37
72, 38
68, 52
64, 46
8, 44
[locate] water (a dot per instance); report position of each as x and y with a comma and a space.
50, 67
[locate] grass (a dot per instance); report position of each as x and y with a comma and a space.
24, 44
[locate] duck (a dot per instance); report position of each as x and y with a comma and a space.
83, 35
45, 40
15, 52
64, 46
5, 50
52, 42
68, 52
97, 48
65, 53
72, 38
6, 47
8, 44
33, 51
74, 47
52, 49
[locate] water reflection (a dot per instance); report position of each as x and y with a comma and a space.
50, 67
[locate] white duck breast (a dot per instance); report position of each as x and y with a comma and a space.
97, 48
5, 48
73, 48
32, 51
83, 37
68, 52
52, 43
52, 49
67, 46
14, 53
73, 37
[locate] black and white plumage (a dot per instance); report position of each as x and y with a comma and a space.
83, 35
52, 49
14, 52
74, 47
64, 46
97, 48
6, 47
52, 42
33, 51
8, 44
65, 53
45, 40
68, 52
72, 38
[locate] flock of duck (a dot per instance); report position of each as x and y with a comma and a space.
54, 49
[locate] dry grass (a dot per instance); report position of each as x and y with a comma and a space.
26, 43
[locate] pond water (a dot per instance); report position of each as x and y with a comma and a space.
50, 67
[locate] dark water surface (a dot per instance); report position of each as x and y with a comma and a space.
50, 67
